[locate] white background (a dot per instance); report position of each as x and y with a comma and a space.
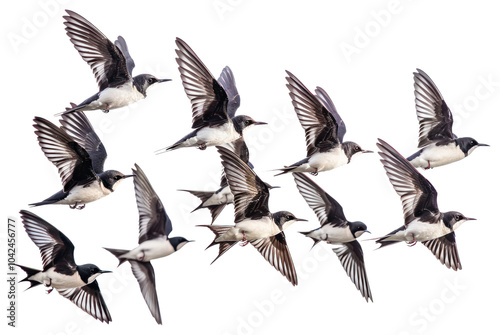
371, 84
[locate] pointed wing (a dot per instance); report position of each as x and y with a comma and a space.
106, 60
251, 194
153, 220
434, 117
145, 275
240, 148
54, 246
318, 122
208, 98
78, 126
327, 209
418, 196
72, 161
122, 45
351, 257
275, 250
89, 299
445, 249
226, 79
325, 99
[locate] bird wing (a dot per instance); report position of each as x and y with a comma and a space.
318, 122
418, 196
153, 220
72, 161
351, 257
327, 209
240, 148
251, 195
328, 103
122, 45
275, 251
445, 249
89, 299
208, 98
226, 79
55, 248
78, 126
145, 275
434, 117
106, 60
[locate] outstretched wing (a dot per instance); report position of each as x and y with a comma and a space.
122, 45
145, 275
445, 249
226, 79
208, 98
106, 60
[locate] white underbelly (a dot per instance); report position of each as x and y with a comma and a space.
324, 161
334, 235
440, 155
421, 232
223, 197
113, 97
253, 230
150, 249
217, 135
57, 280
85, 194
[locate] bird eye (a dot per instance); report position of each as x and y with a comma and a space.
117, 177
151, 80
458, 217
248, 122
290, 217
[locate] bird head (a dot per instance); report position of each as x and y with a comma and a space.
111, 179
144, 81
284, 219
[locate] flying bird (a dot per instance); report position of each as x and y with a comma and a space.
254, 223
336, 230
439, 146
75, 282
325, 130
79, 155
111, 64
423, 220
214, 103
154, 241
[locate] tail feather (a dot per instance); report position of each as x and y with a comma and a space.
73, 108
118, 253
29, 272
384, 243
305, 233
215, 210
223, 246
286, 169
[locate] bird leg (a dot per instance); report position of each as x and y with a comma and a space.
315, 173
412, 243
80, 207
244, 241
428, 165
49, 290
73, 206
202, 146
48, 285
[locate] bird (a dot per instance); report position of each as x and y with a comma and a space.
324, 130
217, 200
438, 145
75, 282
154, 242
336, 230
214, 103
423, 221
111, 64
254, 223
78, 153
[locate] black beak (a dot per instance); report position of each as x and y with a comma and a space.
366, 231
367, 151
259, 123
296, 219
470, 219
105, 271
271, 187
163, 80
128, 176
482, 145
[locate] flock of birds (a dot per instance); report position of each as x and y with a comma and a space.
78, 153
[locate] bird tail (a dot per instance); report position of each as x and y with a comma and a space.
215, 210
29, 272
284, 170
223, 246
383, 240
73, 108
306, 233
118, 253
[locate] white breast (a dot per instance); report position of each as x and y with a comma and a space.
424, 231
151, 249
223, 197
324, 161
85, 194
116, 97
337, 235
439, 155
217, 135
57, 280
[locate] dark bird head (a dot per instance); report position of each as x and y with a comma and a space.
178, 242
111, 179
89, 272
453, 220
358, 228
352, 149
144, 81
283, 219
241, 122
468, 145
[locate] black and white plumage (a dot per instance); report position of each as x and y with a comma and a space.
111, 64
324, 130
79, 155
154, 241
423, 220
336, 230
254, 223
214, 103
438, 145
74, 282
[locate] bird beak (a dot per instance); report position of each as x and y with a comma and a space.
105, 271
163, 80
191, 241
128, 176
367, 152
300, 220
271, 187
470, 219
259, 123
482, 145
367, 231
